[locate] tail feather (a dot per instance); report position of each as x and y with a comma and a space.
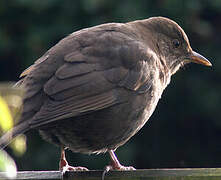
11, 134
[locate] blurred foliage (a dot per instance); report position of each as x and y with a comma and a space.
185, 129
19, 145
10, 111
6, 121
11, 103
7, 165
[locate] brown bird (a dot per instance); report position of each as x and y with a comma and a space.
97, 87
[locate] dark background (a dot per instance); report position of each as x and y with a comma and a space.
185, 129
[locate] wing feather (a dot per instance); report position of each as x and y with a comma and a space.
53, 111
66, 71
88, 78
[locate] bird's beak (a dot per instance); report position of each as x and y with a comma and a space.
199, 59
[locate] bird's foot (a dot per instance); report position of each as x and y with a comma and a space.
64, 167
71, 168
119, 167
115, 165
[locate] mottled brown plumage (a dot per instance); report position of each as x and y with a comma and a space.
97, 87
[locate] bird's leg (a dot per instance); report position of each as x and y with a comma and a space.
63, 165
115, 164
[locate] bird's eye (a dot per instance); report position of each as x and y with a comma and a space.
176, 43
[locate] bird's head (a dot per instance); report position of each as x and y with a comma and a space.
172, 44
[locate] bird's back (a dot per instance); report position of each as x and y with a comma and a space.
96, 88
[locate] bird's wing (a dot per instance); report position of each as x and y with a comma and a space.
90, 77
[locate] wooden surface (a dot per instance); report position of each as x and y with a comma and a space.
147, 174
35, 175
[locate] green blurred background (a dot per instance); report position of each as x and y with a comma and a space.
185, 129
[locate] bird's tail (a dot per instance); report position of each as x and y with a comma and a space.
11, 134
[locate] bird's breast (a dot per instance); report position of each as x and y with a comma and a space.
151, 98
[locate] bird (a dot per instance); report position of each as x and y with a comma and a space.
97, 87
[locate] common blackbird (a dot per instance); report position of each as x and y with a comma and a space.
97, 87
